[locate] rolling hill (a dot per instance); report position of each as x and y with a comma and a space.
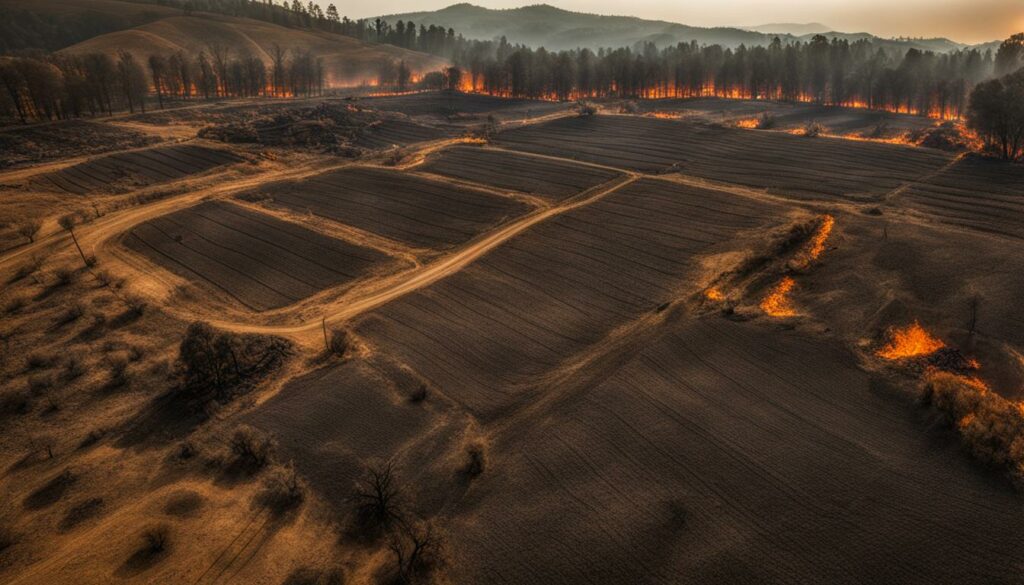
557, 29
151, 29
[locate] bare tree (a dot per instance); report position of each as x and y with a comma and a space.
29, 229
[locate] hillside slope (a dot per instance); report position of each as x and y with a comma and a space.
557, 29
164, 30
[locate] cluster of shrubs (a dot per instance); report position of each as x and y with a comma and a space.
218, 365
991, 426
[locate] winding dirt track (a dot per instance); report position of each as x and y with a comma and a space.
95, 235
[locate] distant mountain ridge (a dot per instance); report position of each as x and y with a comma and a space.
792, 28
557, 29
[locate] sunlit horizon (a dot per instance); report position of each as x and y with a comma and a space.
959, 20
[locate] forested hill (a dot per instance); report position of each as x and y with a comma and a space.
546, 26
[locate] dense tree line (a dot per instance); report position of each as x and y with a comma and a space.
996, 113
54, 86
822, 71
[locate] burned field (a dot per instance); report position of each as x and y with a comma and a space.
419, 212
257, 260
487, 333
789, 166
21, 146
546, 178
975, 193
788, 116
553, 335
462, 107
124, 171
711, 457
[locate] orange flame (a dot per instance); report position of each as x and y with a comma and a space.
713, 294
817, 244
749, 123
777, 303
910, 341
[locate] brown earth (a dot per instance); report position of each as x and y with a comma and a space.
554, 316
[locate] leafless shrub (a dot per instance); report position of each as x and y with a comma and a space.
135, 306
419, 394
251, 448
156, 539
105, 279
813, 130
476, 460
282, 491
586, 109
416, 547
395, 156
339, 342
377, 500
29, 229
217, 365
90, 260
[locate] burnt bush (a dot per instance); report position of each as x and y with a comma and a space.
339, 342
217, 365
586, 109
251, 448
417, 551
766, 121
419, 394
376, 499
282, 490
476, 460
813, 130
991, 426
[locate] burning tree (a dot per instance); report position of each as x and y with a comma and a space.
996, 113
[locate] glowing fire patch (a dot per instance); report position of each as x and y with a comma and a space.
713, 294
817, 244
777, 303
910, 341
751, 123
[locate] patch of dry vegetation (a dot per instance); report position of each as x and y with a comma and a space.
991, 426
219, 365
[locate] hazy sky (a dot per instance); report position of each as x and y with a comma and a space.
969, 21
